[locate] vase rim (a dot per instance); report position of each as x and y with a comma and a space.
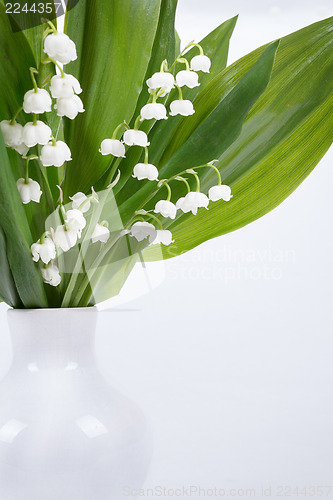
54, 309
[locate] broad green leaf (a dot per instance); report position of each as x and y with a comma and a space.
217, 132
26, 273
284, 136
8, 292
115, 42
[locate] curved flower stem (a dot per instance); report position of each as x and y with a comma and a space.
164, 183
179, 178
149, 214
179, 92
214, 168
184, 61
119, 127
49, 61
53, 28
34, 71
16, 115
137, 123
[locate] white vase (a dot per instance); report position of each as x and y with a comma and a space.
65, 434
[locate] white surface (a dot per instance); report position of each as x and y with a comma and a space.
65, 433
231, 357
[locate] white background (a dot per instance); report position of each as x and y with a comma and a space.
231, 356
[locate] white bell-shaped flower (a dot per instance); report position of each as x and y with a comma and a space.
55, 155
145, 171
136, 138
36, 134
29, 191
60, 47
69, 106
45, 251
192, 201
64, 86
154, 111
113, 147
182, 107
65, 238
12, 134
166, 208
100, 233
51, 274
75, 220
164, 236
37, 102
201, 63
221, 192
161, 80
188, 78
80, 202
142, 230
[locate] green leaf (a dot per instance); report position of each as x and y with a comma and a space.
8, 292
115, 42
285, 135
26, 273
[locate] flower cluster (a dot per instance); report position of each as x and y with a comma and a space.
160, 85
64, 89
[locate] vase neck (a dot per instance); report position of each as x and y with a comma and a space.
53, 338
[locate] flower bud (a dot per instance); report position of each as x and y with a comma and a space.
192, 201
12, 134
161, 80
164, 236
143, 230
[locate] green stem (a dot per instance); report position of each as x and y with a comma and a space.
180, 93
184, 61
48, 61
164, 183
179, 178
146, 155
214, 168
137, 123
113, 171
155, 219
33, 71
12, 122
116, 130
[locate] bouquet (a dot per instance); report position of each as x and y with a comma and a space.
117, 145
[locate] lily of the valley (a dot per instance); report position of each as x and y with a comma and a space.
67, 235
145, 171
142, 230
201, 63
161, 80
60, 47
221, 192
36, 133
69, 106
37, 102
136, 138
101, 233
64, 86
188, 78
80, 202
50, 274
166, 209
192, 201
29, 191
113, 147
12, 133
154, 111
182, 107
163, 236
44, 251
55, 154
